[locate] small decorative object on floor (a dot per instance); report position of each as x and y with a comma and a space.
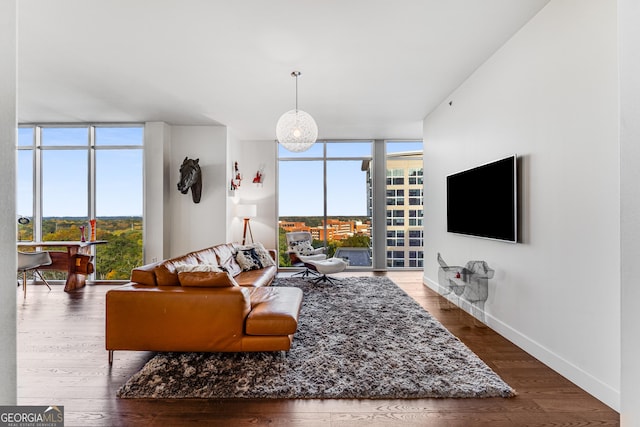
191, 178
469, 283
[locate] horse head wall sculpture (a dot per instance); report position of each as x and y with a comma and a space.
191, 177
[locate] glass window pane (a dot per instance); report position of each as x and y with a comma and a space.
67, 136
404, 176
301, 188
346, 189
119, 135
301, 202
119, 203
403, 146
118, 177
349, 149
64, 193
348, 222
316, 150
24, 197
25, 136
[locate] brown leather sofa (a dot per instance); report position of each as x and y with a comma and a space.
164, 310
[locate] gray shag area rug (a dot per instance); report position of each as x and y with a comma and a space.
363, 337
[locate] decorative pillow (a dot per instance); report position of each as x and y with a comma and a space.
248, 259
226, 255
263, 254
302, 247
206, 279
192, 268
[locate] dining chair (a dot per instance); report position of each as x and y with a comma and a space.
31, 261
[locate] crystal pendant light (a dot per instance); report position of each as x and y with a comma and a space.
296, 130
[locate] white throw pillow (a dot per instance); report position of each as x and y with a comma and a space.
191, 268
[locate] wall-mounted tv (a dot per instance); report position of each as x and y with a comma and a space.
483, 201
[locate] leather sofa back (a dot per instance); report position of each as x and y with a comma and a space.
164, 273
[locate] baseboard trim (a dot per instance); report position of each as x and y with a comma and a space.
578, 376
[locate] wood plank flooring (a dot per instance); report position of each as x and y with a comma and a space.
62, 361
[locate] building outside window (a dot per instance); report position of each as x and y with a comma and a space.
395, 259
395, 176
395, 237
69, 174
415, 218
395, 197
404, 217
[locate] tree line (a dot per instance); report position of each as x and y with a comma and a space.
115, 260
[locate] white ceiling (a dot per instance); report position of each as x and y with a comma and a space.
370, 68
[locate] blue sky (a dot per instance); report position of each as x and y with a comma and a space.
301, 184
119, 174
65, 172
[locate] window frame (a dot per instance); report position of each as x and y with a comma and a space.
389, 186
38, 147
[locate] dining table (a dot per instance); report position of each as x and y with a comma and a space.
74, 257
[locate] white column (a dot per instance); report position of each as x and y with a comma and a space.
8, 38
629, 63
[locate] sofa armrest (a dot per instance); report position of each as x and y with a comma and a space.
145, 275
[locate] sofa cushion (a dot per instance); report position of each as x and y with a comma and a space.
274, 311
206, 279
207, 256
226, 259
257, 278
192, 268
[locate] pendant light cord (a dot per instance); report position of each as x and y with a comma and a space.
296, 74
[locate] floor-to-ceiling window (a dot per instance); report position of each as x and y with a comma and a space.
69, 174
404, 189
329, 191
325, 191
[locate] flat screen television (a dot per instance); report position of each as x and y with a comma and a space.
483, 201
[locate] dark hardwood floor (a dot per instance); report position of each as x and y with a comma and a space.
62, 361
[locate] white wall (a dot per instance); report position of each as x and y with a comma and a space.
629, 36
198, 225
549, 95
157, 164
253, 156
8, 384
174, 224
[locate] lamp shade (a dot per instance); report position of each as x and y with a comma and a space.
246, 210
296, 131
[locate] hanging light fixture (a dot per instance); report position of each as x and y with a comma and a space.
296, 130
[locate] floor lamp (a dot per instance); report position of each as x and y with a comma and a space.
246, 212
